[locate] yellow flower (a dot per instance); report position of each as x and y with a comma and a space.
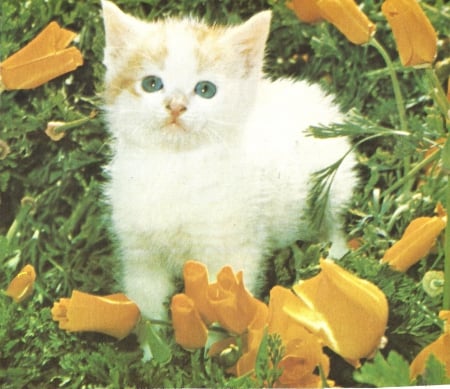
306, 10
348, 18
233, 305
21, 287
345, 15
415, 243
196, 285
114, 315
440, 348
44, 58
303, 349
415, 36
190, 331
348, 313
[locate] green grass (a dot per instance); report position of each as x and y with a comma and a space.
66, 236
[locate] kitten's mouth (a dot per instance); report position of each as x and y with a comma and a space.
172, 126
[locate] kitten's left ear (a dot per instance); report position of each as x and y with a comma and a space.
250, 37
119, 30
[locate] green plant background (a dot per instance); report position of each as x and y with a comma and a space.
66, 234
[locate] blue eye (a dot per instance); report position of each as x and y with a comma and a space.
205, 89
151, 84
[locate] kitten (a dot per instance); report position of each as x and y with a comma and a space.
211, 160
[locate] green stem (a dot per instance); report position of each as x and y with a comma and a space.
437, 92
395, 84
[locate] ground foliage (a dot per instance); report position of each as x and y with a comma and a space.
64, 232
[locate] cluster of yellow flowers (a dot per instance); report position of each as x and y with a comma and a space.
334, 308
415, 36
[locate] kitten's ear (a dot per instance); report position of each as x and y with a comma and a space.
250, 37
118, 30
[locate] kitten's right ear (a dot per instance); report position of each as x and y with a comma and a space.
118, 30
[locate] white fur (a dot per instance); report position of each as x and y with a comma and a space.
233, 186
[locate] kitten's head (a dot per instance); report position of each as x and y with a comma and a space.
180, 84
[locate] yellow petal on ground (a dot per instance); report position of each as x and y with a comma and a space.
416, 242
349, 314
113, 315
44, 58
21, 286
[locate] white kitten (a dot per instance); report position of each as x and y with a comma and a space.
211, 160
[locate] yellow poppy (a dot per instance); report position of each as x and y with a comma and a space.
190, 331
414, 34
440, 348
348, 18
4, 149
306, 10
114, 315
415, 243
348, 313
303, 349
233, 304
44, 58
196, 285
21, 286
345, 15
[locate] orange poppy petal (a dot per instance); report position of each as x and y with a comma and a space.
348, 18
114, 315
196, 283
41, 60
348, 313
416, 242
415, 36
190, 330
306, 10
21, 286
234, 306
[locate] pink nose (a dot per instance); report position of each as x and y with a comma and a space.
176, 105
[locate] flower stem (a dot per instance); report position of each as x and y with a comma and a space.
397, 94
395, 84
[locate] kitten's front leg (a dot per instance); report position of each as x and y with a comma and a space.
148, 284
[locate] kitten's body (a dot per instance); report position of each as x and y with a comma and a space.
225, 180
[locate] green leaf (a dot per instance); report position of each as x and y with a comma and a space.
393, 371
150, 340
435, 373
262, 357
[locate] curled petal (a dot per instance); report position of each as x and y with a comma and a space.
113, 315
196, 283
234, 306
44, 58
348, 313
190, 331
21, 286
414, 34
439, 348
416, 242
348, 18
